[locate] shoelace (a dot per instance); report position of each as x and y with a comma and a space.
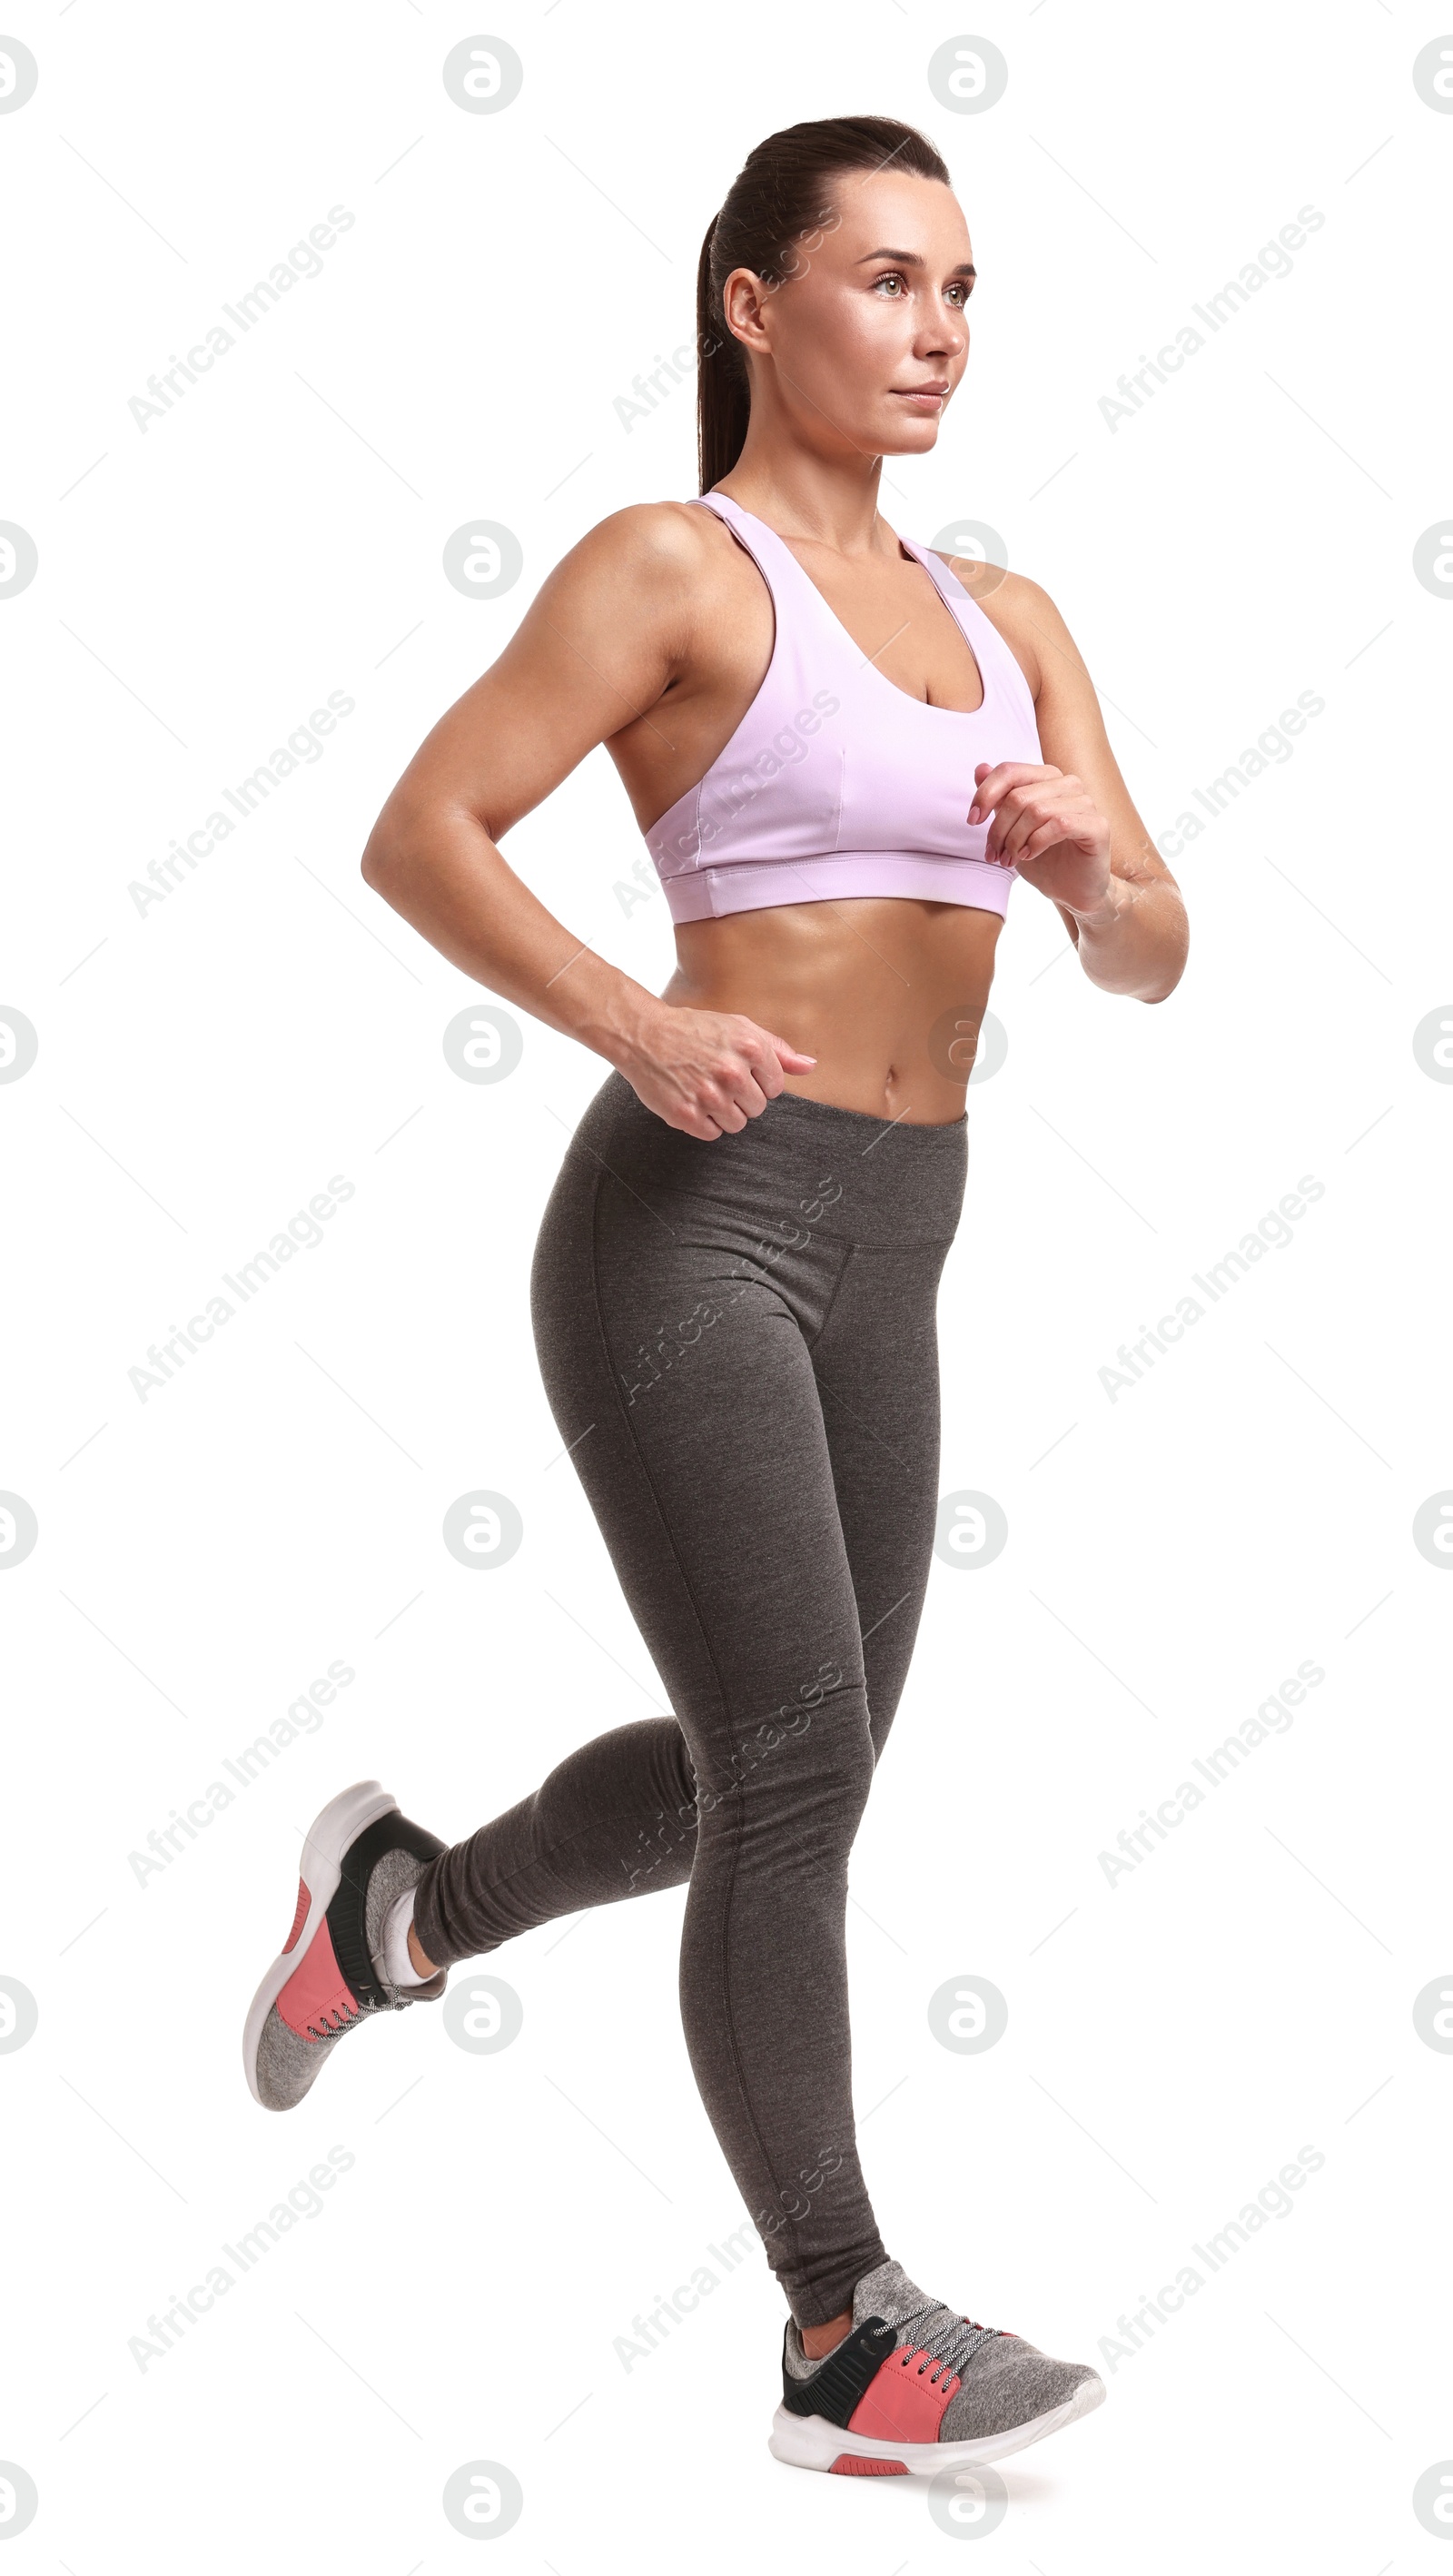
334, 2022
950, 2343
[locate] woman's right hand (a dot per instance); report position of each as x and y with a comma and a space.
707, 1072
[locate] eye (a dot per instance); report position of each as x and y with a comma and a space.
890, 277
960, 290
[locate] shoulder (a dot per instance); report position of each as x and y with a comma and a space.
652, 571
1021, 609
655, 542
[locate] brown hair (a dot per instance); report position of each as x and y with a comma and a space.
781, 193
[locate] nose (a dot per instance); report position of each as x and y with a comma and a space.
944, 335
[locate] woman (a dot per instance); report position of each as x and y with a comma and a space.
841, 749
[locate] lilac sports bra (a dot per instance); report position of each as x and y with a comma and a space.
837, 782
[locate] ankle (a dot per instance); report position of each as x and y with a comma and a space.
819, 2341
419, 1959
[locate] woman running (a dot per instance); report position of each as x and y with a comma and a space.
842, 748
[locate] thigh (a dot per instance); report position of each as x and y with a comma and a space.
687, 1388
876, 1363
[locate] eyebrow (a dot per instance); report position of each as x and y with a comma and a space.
914, 259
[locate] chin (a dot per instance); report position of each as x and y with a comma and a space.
912, 437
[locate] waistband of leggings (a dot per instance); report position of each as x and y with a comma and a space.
870, 1179
861, 1132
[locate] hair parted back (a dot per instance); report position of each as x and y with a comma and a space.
781, 194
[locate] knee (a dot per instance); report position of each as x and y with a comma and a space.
813, 1768
851, 1794
846, 1761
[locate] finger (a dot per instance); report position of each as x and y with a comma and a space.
720, 1106
772, 1058
747, 1093
766, 1072
1047, 838
1031, 827
997, 781
1001, 825
1053, 820
1022, 812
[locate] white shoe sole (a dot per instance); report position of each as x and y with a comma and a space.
320, 1869
810, 2442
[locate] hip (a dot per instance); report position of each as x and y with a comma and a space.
722, 1270
801, 1166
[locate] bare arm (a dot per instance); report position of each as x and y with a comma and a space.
1070, 828
610, 629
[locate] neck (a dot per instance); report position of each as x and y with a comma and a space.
824, 500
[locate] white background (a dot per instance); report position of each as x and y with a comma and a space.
205, 1068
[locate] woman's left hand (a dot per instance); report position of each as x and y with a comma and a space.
1046, 825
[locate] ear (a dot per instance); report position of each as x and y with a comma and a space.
745, 299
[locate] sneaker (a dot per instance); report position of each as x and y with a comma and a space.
914, 2387
358, 1856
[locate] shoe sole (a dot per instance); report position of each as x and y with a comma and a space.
321, 1868
810, 2442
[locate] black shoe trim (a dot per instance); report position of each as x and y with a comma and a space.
346, 1917
839, 2382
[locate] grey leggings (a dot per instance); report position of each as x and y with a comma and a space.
738, 1344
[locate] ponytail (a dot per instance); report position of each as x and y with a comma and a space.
723, 396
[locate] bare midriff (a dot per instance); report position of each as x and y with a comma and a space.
887, 992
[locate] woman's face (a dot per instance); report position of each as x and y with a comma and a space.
863, 345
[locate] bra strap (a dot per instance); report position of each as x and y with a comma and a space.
985, 641
947, 584
778, 566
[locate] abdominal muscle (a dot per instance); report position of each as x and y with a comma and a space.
887, 992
